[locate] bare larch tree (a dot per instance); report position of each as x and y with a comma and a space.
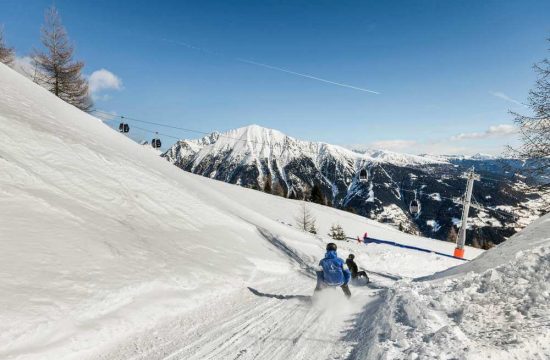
305, 220
57, 71
7, 54
535, 129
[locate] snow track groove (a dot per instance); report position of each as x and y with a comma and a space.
269, 328
281, 322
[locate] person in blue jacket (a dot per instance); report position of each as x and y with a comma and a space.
334, 271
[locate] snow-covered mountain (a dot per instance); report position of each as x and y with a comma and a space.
266, 159
255, 143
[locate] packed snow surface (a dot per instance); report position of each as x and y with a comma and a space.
110, 252
494, 307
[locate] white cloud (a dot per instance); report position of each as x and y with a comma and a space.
394, 145
491, 141
503, 96
101, 80
420, 147
502, 130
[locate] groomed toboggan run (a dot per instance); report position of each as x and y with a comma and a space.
110, 252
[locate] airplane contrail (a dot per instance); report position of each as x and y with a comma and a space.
306, 75
267, 66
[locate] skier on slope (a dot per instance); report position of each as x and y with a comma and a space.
352, 266
334, 272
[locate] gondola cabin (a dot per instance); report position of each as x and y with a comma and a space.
414, 207
363, 175
156, 143
123, 128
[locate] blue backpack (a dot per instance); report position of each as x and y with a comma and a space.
333, 274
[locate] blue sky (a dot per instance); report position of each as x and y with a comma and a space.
447, 72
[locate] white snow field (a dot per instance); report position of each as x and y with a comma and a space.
110, 252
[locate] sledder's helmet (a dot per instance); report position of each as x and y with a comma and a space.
351, 256
331, 247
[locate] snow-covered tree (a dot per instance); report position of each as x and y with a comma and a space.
305, 219
7, 54
336, 232
57, 71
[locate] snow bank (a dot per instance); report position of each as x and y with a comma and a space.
533, 236
497, 306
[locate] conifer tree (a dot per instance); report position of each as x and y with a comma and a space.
57, 71
267, 185
488, 245
336, 232
452, 235
278, 189
317, 195
475, 242
7, 55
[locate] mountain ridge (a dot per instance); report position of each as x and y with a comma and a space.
259, 135
267, 159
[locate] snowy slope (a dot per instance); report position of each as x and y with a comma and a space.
110, 252
495, 307
535, 236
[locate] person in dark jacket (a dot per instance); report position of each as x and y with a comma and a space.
334, 271
352, 266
